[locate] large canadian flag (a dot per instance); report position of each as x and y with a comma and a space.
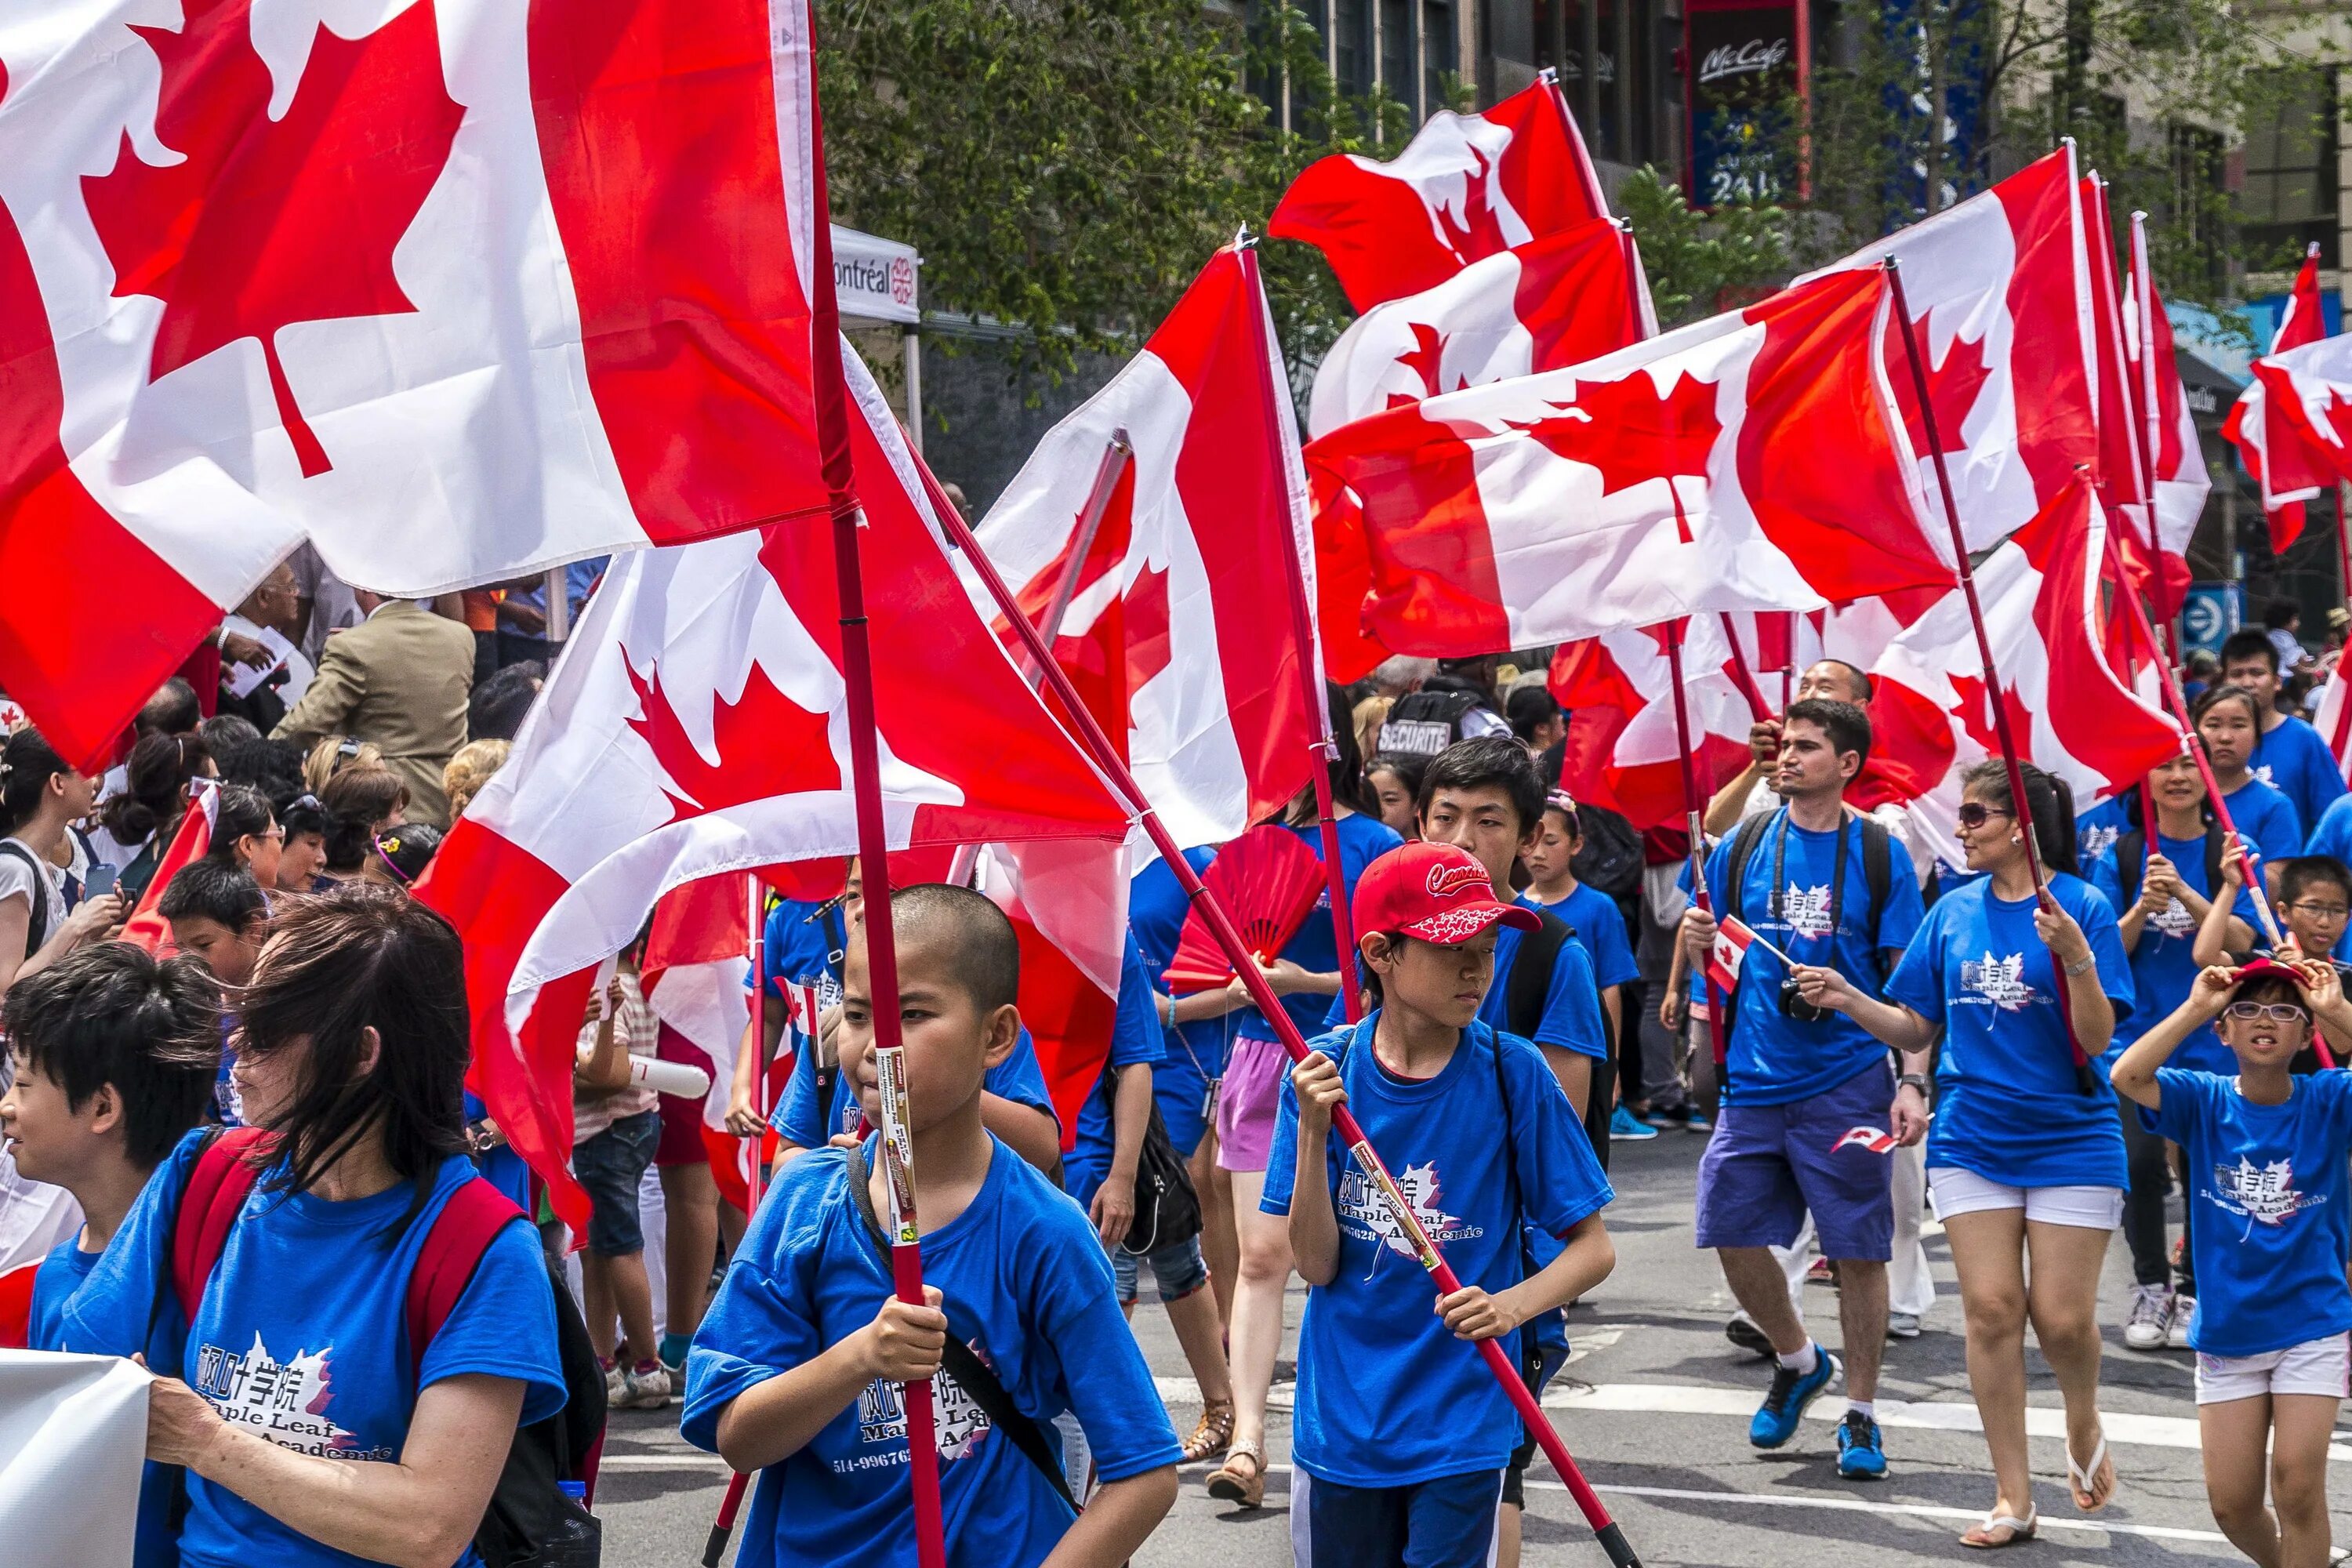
458, 289
1999, 289
2178, 477
1175, 621
1466, 187
1681, 476
697, 724
2282, 423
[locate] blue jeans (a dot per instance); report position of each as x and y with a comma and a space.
611, 1165
1178, 1269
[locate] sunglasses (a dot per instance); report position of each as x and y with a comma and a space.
1976, 813
2277, 1012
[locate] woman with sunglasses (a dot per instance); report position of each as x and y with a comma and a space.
2229, 720
2025, 1159
2268, 1190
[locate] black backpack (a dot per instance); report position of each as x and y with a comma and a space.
1877, 875
1426, 721
1611, 858
37, 929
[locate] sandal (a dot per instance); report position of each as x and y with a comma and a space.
1227, 1484
1979, 1537
1213, 1434
2084, 1479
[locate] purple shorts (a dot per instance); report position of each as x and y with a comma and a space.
1766, 1164
1248, 1101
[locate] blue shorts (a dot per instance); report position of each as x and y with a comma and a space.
1766, 1164
611, 1165
1448, 1523
1177, 1270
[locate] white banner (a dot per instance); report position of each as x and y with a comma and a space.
73, 1433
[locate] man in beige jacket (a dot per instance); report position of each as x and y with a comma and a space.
400, 680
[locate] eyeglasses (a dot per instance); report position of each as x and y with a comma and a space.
2323, 911
2277, 1012
1976, 813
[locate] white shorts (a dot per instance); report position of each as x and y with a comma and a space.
2316, 1366
1958, 1192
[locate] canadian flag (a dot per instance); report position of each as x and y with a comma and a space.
1729, 951
1559, 301
2334, 720
697, 724
1466, 187
2274, 444
190, 841
1678, 477
2070, 710
1623, 752
2177, 478
1999, 289
459, 290
1173, 617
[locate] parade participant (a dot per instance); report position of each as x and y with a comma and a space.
113, 1058
1748, 792
2226, 720
797, 1370
614, 1127
2271, 1328
2167, 890
43, 862
2312, 907
1400, 1437
1598, 924
2025, 1157
351, 1052
245, 833
1393, 781
2289, 755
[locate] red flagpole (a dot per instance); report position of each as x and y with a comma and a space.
1105, 758
1694, 814
1322, 751
2001, 729
1743, 674
714, 1549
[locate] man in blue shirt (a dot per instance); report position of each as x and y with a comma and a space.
2289, 755
1795, 1082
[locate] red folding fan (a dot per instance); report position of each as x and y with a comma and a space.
1266, 880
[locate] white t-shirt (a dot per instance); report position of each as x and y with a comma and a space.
17, 880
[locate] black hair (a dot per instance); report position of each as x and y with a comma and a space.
1409, 767
357, 801
302, 814
1347, 759
2249, 642
2214, 695
407, 849
172, 710
1845, 723
2050, 798
222, 730
985, 949
242, 812
1488, 762
27, 764
2304, 872
337, 964
214, 891
1526, 707
2281, 613
2272, 988
156, 779
1859, 676
273, 767
498, 705
113, 1013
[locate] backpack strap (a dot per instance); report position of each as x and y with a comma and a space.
1878, 878
2130, 851
1529, 986
1729, 900
462, 1232
227, 1168
37, 919
2213, 847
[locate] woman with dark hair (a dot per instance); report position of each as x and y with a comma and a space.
245, 833
360, 803
2025, 1155
311, 1433
399, 855
136, 826
1393, 781
302, 854
44, 864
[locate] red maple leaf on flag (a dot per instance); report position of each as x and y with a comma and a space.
1424, 359
1631, 433
768, 746
1477, 232
1975, 715
1146, 627
1953, 386
276, 212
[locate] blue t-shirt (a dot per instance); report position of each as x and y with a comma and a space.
2267, 819
1572, 1019
1134, 1036
2293, 760
64, 1271
1017, 1077
500, 1166
798, 946
2008, 1106
2162, 966
1387, 1396
1362, 840
1196, 1053
1772, 1058
2096, 830
1600, 928
2270, 1233
302, 1336
1025, 1284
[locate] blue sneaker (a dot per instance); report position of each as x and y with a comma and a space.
1698, 1122
1861, 1455
1624, 1127
1776, 1417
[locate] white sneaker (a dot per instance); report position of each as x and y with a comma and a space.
2151, 1318
2184, 1317
646, 1390
1903, 1325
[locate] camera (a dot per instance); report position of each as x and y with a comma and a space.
1793, 1004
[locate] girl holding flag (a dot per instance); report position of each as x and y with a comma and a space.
2025, 1158
2229, 722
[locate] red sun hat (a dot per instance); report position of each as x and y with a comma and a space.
1437, 892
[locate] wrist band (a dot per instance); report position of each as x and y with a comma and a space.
2089, 962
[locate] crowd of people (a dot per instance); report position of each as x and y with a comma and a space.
368, 1345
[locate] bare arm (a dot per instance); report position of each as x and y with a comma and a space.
604, 1068
1590, 1255
752, 1058
2088, 1007
1114, 1205
2217, 928
93, 920
769, 1422
1027, 1131
1211, 1004
1314, 1227
1723, 811
1119, 1517
1890, 1022
2134, 1070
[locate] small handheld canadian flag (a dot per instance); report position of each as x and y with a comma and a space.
1870, 1140
1732, 940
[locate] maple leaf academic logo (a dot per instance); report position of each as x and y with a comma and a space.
1359, 1205
1625, 429
1808, 911
282, 205
2266, 1197
2000, 981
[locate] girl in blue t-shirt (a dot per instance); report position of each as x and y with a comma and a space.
312, 1435
2025, 1157
2265, 1149
2229, 722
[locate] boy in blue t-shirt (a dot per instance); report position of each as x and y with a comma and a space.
2266, 1185
113, 1062
1400, 1435
799, 1368
1600, 927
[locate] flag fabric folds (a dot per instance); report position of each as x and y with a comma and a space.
1622, 751
71, 1455
2178, 482
2271, 439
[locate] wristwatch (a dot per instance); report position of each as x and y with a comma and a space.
1913, 1080
2090, 961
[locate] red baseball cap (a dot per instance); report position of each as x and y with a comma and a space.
1438, 892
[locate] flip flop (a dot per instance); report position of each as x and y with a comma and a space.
2084, 1479
2020, 1529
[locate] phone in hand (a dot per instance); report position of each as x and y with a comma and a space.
100, 882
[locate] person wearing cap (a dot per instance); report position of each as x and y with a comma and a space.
1400, 1434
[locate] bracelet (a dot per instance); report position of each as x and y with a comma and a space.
1167, 1020
2089, 962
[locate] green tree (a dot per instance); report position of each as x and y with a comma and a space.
1699, 263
